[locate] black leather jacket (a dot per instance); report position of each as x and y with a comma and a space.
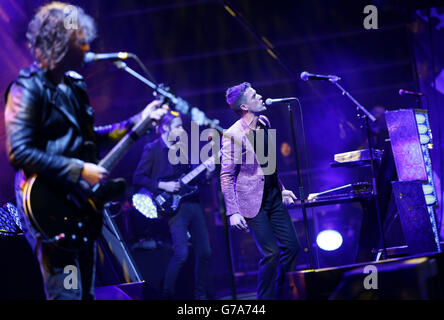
49, 129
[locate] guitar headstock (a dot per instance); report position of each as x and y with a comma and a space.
169, 99
179, 104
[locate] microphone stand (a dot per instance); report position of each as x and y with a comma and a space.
181, 105
365, 123
122, 65
301, 187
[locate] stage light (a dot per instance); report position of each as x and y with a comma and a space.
430, 199
424, 139
143, 203
427, 188
422, 129
329, 240
420, 118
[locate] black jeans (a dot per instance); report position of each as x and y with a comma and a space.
66, 275
276, 239
189, 218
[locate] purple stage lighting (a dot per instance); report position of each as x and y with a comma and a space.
143, 203
329, 240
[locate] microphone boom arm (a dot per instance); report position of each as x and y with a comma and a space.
184, 107
122, 65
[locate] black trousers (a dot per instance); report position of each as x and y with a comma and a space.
189, 218
276, 239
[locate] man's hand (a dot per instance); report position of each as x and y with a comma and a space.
288, 197
93, 173
170, 186
238, 221
153, 111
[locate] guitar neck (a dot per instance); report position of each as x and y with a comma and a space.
198, 170
120, 149
193, 174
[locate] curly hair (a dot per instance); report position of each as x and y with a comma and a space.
235, 96
49, 34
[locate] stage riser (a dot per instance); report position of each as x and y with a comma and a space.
419, 277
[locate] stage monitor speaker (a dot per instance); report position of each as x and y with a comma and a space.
415, 217
415, 193
412, 279
115, 264
127, 291
402, 278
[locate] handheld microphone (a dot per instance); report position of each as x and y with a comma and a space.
269, 101
306, 75
412, 93
91, 56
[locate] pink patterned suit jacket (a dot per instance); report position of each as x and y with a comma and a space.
241, 177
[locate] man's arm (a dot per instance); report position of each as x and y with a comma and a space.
143, 174
22, 121
114, 132
231, 155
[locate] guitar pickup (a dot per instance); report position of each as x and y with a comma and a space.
160, 200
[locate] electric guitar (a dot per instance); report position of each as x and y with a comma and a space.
71, 218
168, 202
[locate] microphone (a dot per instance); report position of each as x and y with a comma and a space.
306, 75
269, 101
91, 56
412, 93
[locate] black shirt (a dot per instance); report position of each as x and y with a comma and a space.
154, 166
271, 180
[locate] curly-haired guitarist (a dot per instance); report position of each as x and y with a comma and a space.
50, 134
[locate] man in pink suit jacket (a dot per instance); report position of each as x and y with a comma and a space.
254, 195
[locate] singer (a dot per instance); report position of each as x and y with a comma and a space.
253, 199
50, 132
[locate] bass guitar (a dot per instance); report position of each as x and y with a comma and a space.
168, 202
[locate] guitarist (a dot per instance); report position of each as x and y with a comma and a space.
155, 173
50, 132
